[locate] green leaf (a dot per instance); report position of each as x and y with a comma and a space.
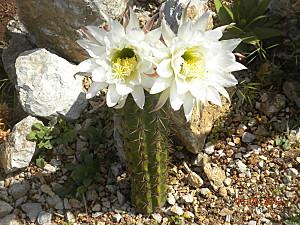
37, 126
31, 136
263, 33
218, 5
259, 10
40, 162
53, 122
48, 145
81, 189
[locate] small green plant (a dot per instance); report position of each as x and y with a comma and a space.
247, 91
58, 131
249, 22
294, 219
282, 142
177, 220
40, 162
82, 176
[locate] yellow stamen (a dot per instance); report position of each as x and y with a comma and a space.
124, 68
124, 64
193, 65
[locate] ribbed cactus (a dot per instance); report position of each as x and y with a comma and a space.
145, 137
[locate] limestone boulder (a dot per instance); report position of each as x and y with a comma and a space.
47, 86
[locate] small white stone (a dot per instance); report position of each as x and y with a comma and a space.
70, 217
261, 164
252, 222
188, 198
50, 168
293, 171
209, 148
158, 218
227, 181
205, 192
177, 210
241, 166
171, 199
117, 218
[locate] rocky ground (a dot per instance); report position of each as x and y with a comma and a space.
248, 173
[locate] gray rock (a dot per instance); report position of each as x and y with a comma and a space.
10, 220
54, 24
44, 218
43, 80
121, 198
55, 202
47, 189
18, 44
18, 190
117, 218
248, 137
270, 104
5, 209
291, 90
4, 194
17, 151
67, 204
96, 208
32, 210
91, 195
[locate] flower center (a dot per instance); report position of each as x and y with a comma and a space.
193, 65
124, 64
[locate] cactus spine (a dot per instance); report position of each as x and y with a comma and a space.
146, 149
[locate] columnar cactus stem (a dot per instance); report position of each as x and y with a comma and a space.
146, 148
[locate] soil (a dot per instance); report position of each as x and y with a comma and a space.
7, 12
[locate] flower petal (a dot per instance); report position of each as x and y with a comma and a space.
188, 106
230, 44
95, 88
112, 97
167, 33
123, 89
185, 31
98, 33
139, 96
93, 49
176, 100
99, 74
121, 102
235, 67
153, 35
133, 23
160, 85
87, 66
213, 96
162, 100
182, 86
164, 69
202, 22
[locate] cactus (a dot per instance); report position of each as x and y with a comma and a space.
145, 138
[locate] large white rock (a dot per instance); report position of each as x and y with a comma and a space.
53, 24
47, 86
17, 151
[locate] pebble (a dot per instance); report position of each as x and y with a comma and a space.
67, 204
298, 159
241, 166
223, 191
49, 168
44, 218
157, 217
255, 148
227, 181
188, 198
252, 222
175, 209
248, 137
70, 217
47, 189
18, 190
5, 209
171, 199
209, 148
97, 214
117, 218
121, 198
195, 180
32, 210
205, 192
10, 220
91, 195
96, 208
293, 172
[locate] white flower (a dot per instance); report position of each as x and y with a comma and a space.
194, 66
119, 60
